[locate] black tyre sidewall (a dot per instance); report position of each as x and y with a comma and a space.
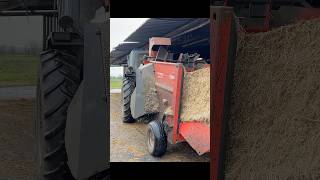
160, 142
44, 124
127, 90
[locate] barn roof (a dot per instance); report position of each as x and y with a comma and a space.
187, 34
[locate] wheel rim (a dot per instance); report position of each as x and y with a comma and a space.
151, 141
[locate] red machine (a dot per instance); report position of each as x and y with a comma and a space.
169, 86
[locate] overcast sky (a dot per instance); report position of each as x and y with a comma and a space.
18, 31
116, 71
121, 28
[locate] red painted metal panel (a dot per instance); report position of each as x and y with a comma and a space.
157, 41
169, 83
221, 26
308, 13
197, 134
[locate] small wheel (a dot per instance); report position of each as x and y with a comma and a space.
156, 139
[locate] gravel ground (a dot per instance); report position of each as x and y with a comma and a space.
16, 140
128, 141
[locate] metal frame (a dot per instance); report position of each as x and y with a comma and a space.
28, 12
277, 13
223, 51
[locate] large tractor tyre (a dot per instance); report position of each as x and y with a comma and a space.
59, 78
127, 90
156, 139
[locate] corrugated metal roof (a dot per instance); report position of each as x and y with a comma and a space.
156, 27
175, 28
122, 49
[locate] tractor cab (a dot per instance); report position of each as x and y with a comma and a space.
135, 58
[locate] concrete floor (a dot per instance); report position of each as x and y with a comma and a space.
17, 140
16, 133
127, 141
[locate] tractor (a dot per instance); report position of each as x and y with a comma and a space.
72, 87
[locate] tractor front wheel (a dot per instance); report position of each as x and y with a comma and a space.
156, 139
127, 90
59, 78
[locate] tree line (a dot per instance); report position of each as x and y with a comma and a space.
31, 48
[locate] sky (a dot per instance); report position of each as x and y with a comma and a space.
18, 31
120, 29
116, 71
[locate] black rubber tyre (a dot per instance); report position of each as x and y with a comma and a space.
59, 78
128, 86
156, 139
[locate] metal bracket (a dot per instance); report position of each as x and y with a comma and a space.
64, 39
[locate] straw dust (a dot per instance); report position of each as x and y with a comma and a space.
151, 101
196, 96
274, 130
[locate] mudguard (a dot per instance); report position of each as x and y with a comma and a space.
87, 132
144, 92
